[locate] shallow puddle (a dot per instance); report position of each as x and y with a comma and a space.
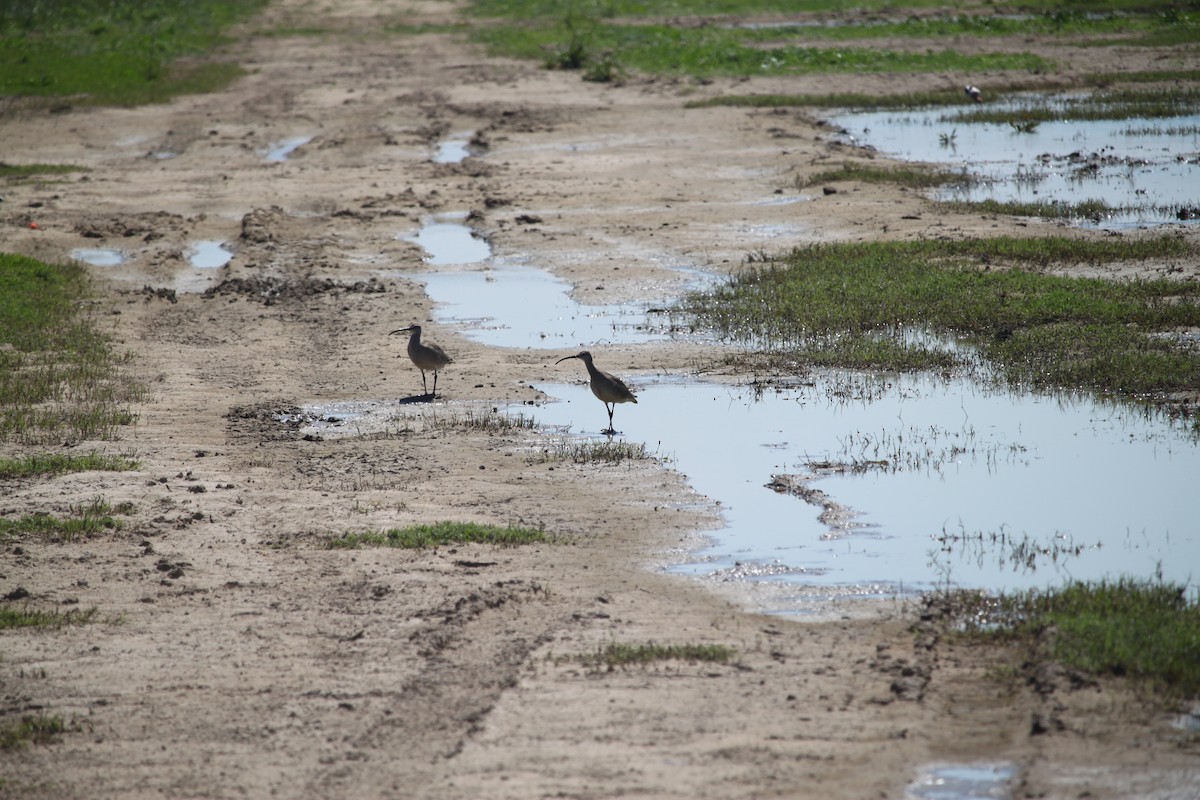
447, 241
98, 256
986, 781
490, 306
1151, 166
453, 150
209, 254
281, 150
904, 487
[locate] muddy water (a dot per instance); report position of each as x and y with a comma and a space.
1147, 166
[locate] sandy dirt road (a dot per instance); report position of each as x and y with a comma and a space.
235, 657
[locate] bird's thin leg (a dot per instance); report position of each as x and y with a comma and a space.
423, 386
610, 408
435, 383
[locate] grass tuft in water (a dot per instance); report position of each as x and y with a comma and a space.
625, 655
1146, 630
1047, 330
595, 452
912, 177
439, 534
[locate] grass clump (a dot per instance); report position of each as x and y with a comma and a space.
44, 464
595, 452
625, 655
1146, 630
59, 379
30, 729
122, 52
419, 537
1047, 330
85, 520
912, 177
18, 171
11, 617
1092, 210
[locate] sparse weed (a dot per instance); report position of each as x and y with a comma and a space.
617, 655
85, 519
592, 451
12, 617
42, 464
440, 534
31, 730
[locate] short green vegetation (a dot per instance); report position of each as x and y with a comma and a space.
45, 464
18, 171
1093, 210
624, 655
59, 379
831, 304
1146, 630
1143, 103
13, 617
440, 534
84, 520
912, 177
30, 730
122, 52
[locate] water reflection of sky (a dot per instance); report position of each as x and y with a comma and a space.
1055, 474
1139, 162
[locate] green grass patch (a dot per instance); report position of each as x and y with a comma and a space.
31, 730
625, 655
18, 171
577, 40
85, 520
1046, 330
1142, 629
123, 52
11, 617
59, 379
420, 537
44, 464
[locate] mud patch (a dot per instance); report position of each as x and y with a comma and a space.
270, 290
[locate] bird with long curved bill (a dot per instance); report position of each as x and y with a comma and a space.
607, 387
425, 355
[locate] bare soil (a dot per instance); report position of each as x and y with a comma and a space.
233, 656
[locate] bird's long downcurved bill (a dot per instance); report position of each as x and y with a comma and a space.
564, 358
402, 330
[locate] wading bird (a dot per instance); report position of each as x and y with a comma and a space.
609, 388
426, 356
973, 93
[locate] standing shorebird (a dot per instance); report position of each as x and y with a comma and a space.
609, 388
973, 93
426, 356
